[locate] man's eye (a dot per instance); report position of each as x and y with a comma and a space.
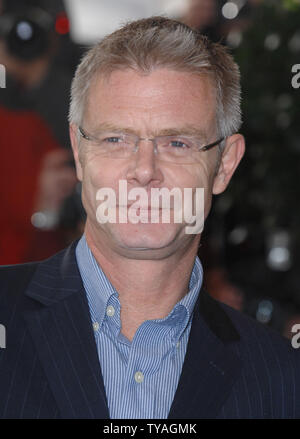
113, 139
179, 144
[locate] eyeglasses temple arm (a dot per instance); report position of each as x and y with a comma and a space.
83, 134
211, 145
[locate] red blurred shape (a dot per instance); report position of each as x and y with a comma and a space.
62, 24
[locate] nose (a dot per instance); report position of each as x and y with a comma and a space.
144, 167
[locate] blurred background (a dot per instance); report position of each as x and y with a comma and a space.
250, 247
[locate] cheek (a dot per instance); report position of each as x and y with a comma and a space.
198, 176
97, 173
92, 176
101, 173
202, 177
92, 181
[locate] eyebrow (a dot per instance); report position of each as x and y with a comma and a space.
186, 130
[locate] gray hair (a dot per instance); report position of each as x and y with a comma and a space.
155, 42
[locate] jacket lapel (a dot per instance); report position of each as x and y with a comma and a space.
210, 367
59, 322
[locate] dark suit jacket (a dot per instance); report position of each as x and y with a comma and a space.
234, 367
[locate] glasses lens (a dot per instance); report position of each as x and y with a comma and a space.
176, 149
114, 145
173, 149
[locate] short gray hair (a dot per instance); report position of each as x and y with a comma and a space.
156, 42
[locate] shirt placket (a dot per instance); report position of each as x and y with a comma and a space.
144, 362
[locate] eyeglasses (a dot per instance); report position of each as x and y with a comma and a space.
175, 149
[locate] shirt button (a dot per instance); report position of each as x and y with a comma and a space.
178, 344
95, 326
110, 311
139, 377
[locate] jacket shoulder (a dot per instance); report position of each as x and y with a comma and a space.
21, 274
259, 338
14, 280
10, 275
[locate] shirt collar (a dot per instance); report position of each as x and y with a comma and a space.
99, 290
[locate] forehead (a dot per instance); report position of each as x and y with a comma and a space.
158, 98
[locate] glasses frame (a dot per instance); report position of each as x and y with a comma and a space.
88, 137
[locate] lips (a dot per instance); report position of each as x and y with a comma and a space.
137, 207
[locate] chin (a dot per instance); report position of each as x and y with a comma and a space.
144, 236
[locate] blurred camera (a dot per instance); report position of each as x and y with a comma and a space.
26, 33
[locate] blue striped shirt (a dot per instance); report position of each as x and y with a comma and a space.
141, 376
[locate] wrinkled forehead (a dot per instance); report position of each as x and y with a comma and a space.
160, 88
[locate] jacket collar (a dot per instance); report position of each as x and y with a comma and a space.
56, 278
62, 332
211, 367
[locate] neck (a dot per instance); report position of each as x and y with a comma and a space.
148, 289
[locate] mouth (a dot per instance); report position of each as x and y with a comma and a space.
134, 207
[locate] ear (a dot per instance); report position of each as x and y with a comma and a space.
75, 146
231, 157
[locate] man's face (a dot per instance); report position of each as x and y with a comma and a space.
148, 105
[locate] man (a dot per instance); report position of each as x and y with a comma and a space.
117, 325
